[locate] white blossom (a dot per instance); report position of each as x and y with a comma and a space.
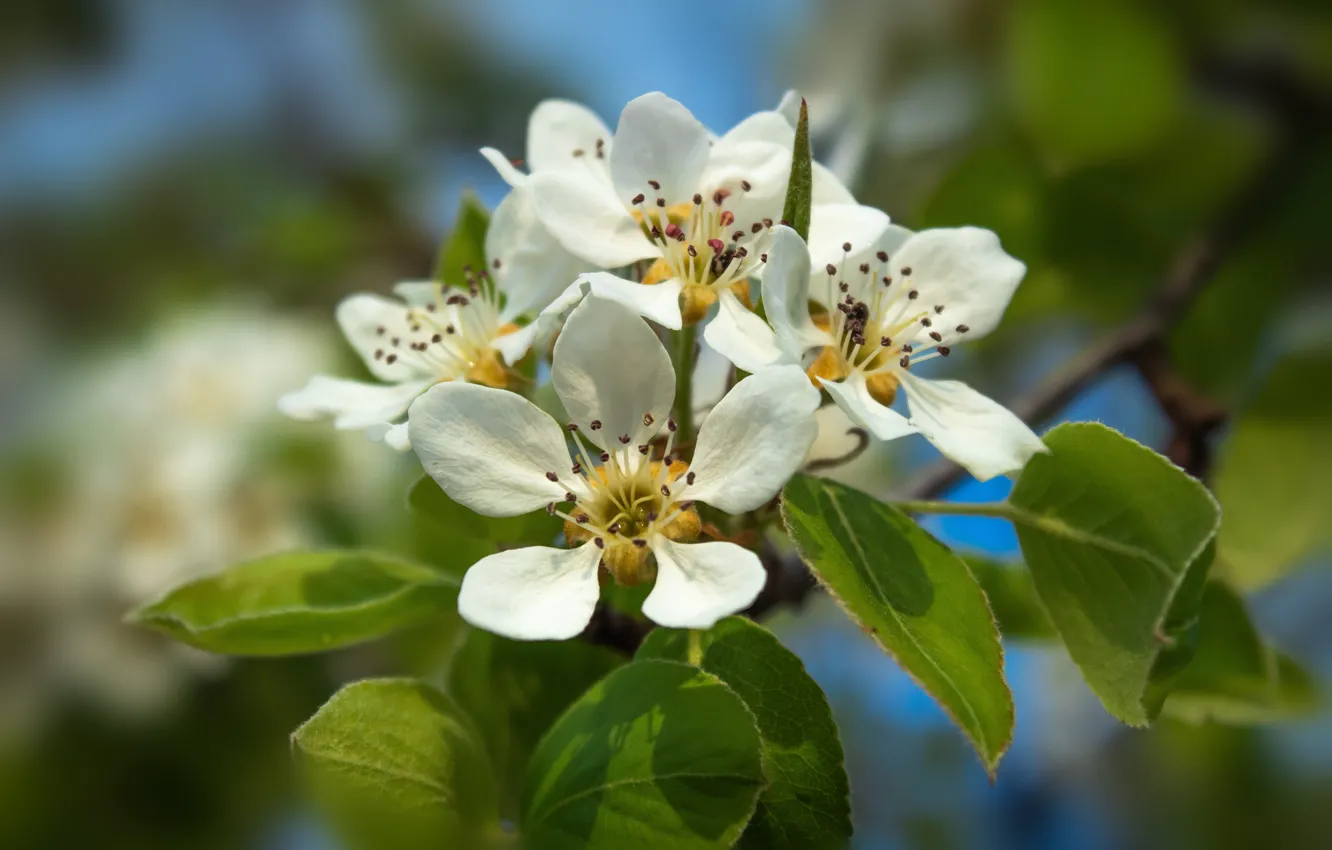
626, 497
697, 209
433, 333
906, 300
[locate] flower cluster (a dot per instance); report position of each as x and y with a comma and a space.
611, 243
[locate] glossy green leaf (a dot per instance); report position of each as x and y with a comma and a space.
1093, 80
516, 689
657, 756
1013, 598
913, 596
396, 766
301, 602
800, 187
465, 248
1118, 541
1234, 676
428, 500
805, 806
1274, 474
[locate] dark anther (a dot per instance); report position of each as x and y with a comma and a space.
496, 264
692, 251
962, 329
670, 425
638, 199
604, 456
905, 361
550, 508
830, 269
689, 479
767, 222
595, 424
864, 268
396, 341
391, 359
744, 184
647, 419
908, 348
719, 197
578, 152
654, 184
613, 528
665, 491
550, 476
763, 257
938, 308
643, 450
437, 338
601, 544
913, 295
844, 287
885, 341
698, 199
906, 271
661, 202
577, 468
737, 235
936, 336
756, 227
882, 256
846, 247
379, 354
380, 330
572, 426
570, 497
582, 518
926, 322
944, 351
624, 439
640, 542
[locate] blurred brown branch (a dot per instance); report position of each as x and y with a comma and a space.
1300, 117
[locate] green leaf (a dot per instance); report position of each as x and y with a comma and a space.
914, 596
657, 756
536, 528
800, 188
1234, 676
466, 246
516, 689
805, 806
301, 602
1118, 541
397, 766
1093, 80
1013, 598
1272, 474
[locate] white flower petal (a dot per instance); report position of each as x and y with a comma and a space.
396, 436
789, 107
355, 404
507, 172
658, 139
828, 188
659, 302
754, 440
742, 337
534, 593
417, 293
514, 346
976, 432
490, 449
769, 127
852, 395
588, 220
712, 377
786, 294
966, 271
766, 167
609, 366
361, 318
699, 583
559, 128
533, 266
833, 225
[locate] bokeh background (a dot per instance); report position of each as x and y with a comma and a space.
188, 186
